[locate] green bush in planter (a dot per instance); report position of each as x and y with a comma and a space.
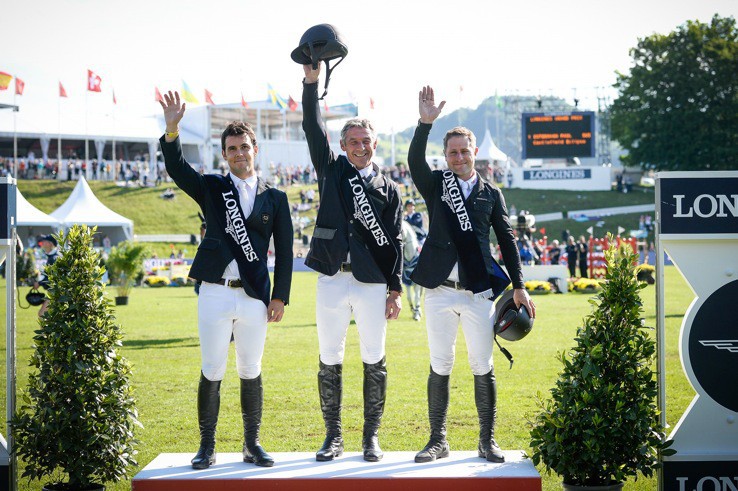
601, 424
78, 414
125, 265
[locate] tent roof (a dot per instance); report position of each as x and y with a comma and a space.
489, 151
29, 215
83, 207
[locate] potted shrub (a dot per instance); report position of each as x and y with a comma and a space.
601, 424
124, 264
77, 415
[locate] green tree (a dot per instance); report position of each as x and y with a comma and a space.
677, 109
78, 413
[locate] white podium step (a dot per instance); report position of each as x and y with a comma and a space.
397, 471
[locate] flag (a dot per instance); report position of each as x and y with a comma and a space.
5, 79
62, 92
292, 103
325, 106
115, 101
276, 98
371, 103
620, 230
209, 97
461, 88
590, 230
243, 101
542, 230
157, 95
187, 94
19, 86
93, 82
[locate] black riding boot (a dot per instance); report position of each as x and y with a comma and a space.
375, 394
252, 402
208, 405
437, 447
330, 387
485, 395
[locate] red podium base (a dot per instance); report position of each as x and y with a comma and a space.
299, 471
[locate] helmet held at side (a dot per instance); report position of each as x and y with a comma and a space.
511, 323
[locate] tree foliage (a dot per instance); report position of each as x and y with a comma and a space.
601, 424
677, 109
78, 413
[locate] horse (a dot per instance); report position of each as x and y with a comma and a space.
410, 254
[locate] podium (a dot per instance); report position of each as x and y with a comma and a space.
397, 471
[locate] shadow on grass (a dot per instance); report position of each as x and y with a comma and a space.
161, 343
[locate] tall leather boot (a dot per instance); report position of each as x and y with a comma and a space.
252, 402
330, 387
485, 395
208, 405
438, 390
375, 394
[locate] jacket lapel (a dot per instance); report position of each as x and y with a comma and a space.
260, 197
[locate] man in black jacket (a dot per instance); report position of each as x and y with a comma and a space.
460, 275
356, 247
242, 213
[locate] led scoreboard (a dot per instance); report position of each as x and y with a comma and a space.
563, 135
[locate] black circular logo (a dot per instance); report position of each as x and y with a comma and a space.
713, 346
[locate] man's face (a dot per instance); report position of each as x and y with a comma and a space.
240, 154
460, 156
46, 245
409, 209
359, 146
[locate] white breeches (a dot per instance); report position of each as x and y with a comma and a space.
223, 311
444, 308
337, 297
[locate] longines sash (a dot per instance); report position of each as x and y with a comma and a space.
471, 260
367, 221
231, 220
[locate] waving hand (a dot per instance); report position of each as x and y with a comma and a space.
427, 105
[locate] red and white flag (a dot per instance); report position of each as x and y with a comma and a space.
292, 104
243, 101
209, 97
115, 101
371, 103
93, 82
62, 92
19, 86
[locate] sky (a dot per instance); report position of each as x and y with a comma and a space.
467, 51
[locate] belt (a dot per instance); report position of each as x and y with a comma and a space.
230, 283
345, 267
453, 284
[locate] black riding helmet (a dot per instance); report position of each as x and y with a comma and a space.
320, 43
511, 322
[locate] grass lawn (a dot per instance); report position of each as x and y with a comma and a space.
161, 343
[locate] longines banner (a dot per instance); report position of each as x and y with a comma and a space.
542, 175
697, 226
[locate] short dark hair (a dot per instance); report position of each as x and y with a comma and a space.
237, 128
459, 131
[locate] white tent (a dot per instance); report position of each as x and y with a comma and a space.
488, 150
31, 220
82, 207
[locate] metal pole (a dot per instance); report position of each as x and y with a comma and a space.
15, 139
10, 294
660, 325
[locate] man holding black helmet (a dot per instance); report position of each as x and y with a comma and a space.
356, 248
460, 275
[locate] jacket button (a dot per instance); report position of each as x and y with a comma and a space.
351, 221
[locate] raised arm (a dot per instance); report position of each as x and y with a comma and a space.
419, 168
317, 140
186, 178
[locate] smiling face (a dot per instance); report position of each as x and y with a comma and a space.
359, 145
460, 156
240, 153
